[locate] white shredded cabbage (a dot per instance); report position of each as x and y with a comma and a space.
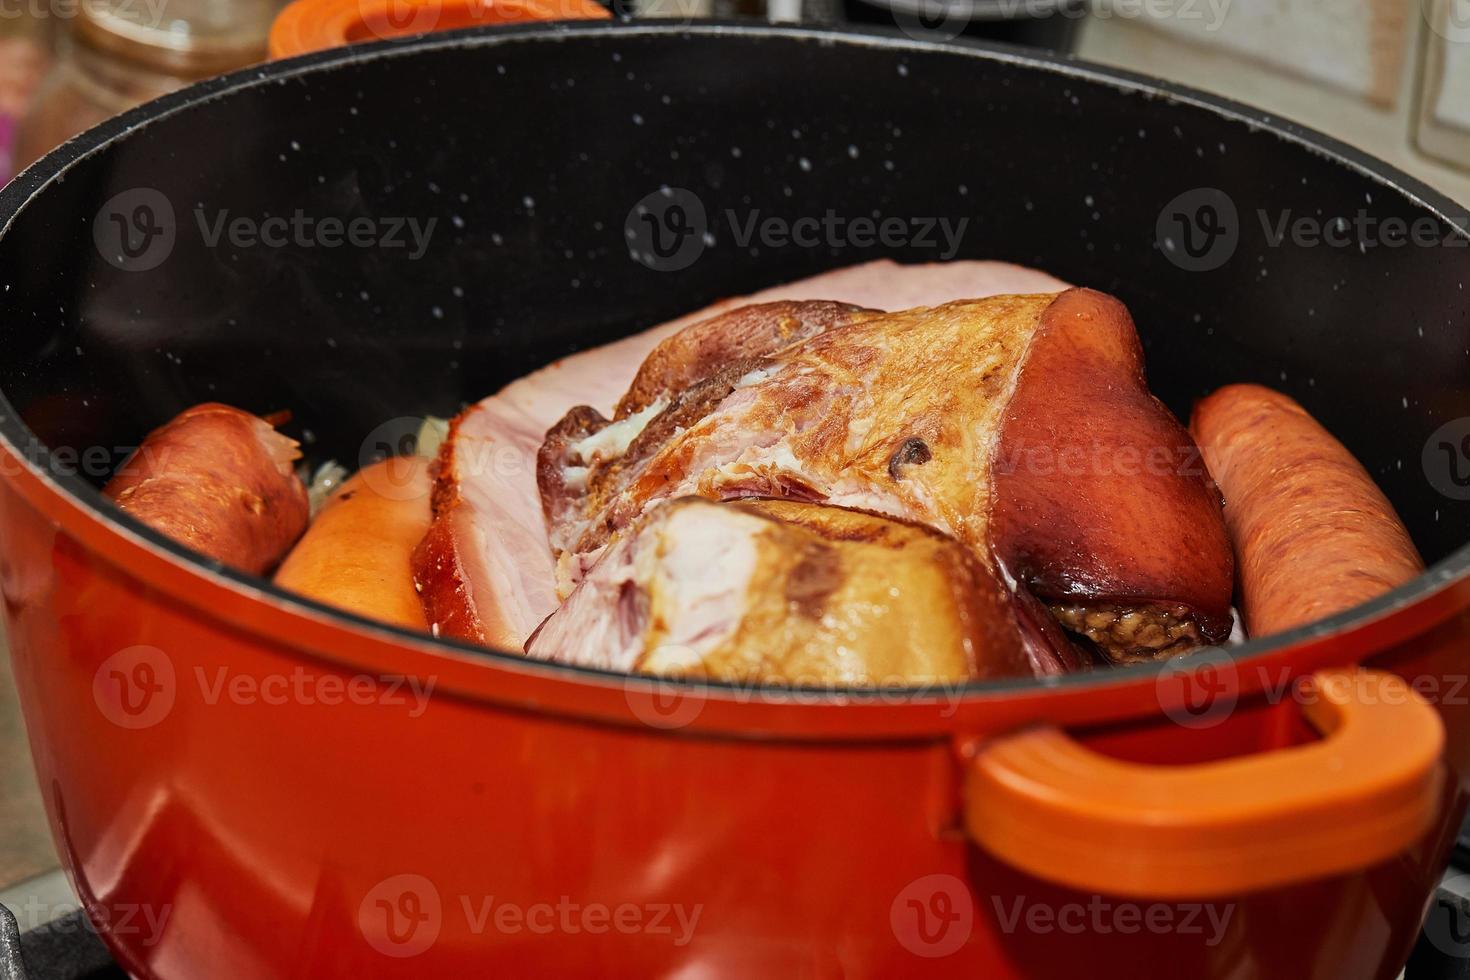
323, 483
431, 436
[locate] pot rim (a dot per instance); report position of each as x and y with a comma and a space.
309, 626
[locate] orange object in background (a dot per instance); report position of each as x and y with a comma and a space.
313, 25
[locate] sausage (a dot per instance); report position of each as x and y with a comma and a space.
218, 480
1313, 534
356, 553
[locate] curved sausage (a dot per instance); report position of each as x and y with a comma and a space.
1313, 534
356, 553
218, 480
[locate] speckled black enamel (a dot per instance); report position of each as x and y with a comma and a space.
529, 149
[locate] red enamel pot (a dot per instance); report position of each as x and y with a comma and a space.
239, 781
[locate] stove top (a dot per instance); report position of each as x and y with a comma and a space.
65, 949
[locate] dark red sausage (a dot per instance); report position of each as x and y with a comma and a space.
1313, 534
220, 481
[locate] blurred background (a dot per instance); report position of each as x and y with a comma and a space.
1389, 76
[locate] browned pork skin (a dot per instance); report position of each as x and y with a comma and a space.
486, 569
683, 379
934, 416
1102, 506
706, 348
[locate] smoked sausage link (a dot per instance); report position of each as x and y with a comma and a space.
357, 553
218, 480
1313, 534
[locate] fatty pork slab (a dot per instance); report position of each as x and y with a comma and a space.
812, 491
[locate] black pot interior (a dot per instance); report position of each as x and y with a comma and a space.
529, 149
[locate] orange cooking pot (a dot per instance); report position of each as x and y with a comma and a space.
243, 783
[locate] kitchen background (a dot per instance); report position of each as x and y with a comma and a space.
1389, 76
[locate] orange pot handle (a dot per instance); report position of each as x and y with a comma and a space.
311, 25
1369, 788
